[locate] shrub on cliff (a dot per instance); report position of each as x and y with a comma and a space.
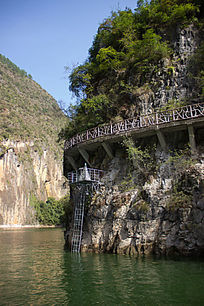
51, 212
179, 199
142, 159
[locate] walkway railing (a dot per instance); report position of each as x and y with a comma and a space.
85, 174
158, 118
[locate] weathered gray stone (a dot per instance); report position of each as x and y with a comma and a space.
20, 179
141, 220
200, 204
122, 223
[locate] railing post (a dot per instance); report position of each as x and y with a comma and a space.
125, 124
191, 111
111, 128
140, 121
156, 117
173, 115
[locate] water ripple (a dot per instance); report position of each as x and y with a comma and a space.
35, 270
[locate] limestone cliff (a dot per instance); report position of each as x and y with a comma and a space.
153, 204
172, 80
23, 175
147, 218
30, 153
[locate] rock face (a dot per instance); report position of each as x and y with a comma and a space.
161, 212
24, 172
147, 219
170, 80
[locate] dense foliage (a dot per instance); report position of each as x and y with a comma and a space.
51, 212
125, 53
142, 159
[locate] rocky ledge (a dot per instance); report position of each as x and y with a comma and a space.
148, 219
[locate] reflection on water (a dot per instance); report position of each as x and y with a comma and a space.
35, 270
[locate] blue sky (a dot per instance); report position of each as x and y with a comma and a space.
44, 36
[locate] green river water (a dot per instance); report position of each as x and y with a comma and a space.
35, 270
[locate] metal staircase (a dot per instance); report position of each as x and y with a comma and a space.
78, 222
83, 183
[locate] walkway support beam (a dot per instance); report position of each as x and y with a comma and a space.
85, 155
192, 140
108, 149
162, 140
72, 162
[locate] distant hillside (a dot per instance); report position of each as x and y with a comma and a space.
28, 112
31, 167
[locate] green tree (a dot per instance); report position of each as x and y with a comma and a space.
51, 212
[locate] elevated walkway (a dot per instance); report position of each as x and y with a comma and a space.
158, 123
